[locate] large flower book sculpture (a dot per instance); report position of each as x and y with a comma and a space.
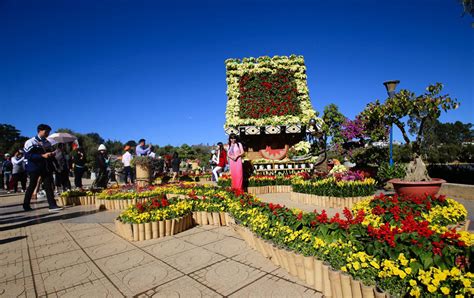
268, 104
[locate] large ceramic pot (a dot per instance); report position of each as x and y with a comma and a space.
417, 188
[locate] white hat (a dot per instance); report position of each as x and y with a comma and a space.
213, 151
7, 154
102, 147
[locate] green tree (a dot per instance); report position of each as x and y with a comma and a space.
10, 139
333, 120
418, 112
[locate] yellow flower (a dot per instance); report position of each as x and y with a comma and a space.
408, 270
375, 265
343, 268
415, 292
412, 282
466, 282
356, 265
445, 290
432, 288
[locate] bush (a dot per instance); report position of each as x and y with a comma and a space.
386, 172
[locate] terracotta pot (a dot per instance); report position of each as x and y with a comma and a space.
147, 230
318, 275
161, 229
356, 288
417, 188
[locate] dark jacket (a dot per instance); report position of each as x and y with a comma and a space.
34, 148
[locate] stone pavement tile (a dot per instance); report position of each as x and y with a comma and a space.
227, 231
98, 230
228, 247
124, 261
49, 250
79, 227
97, 288
192, 260
13, 256
227, 276
207, 227
203, 238
190, 231
18, 288
39, 230
143, 278
181, 287
109, 226
48, 240
110, 248
64, 278
57, 261
164, 249
151, 242
271, 286
282, 273
14, 271
255, 259
94, 240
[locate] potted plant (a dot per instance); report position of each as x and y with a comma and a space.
143, 165
418, 110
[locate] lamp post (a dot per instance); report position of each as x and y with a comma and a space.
391, 86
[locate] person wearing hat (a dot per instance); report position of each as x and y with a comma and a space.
126, 160
19, 172
39, 158
7, 168
102, 161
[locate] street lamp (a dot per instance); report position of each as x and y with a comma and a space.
391, 86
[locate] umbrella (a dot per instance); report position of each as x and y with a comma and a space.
61, 137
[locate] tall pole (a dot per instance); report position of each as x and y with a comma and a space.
390, 86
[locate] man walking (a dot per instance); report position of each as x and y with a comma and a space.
39, 163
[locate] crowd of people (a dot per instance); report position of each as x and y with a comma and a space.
49, 166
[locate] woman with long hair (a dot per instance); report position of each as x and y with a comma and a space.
235, 153
221, 161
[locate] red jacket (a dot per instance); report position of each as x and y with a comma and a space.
222, 158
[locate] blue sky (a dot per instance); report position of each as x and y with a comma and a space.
155, 69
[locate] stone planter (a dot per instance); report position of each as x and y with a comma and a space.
148, 231
335, 278
143, 176
367, 291
325, 201
318, 275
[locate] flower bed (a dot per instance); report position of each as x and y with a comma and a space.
405, 246
332, 187
77, 197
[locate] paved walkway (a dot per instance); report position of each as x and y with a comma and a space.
77, 253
